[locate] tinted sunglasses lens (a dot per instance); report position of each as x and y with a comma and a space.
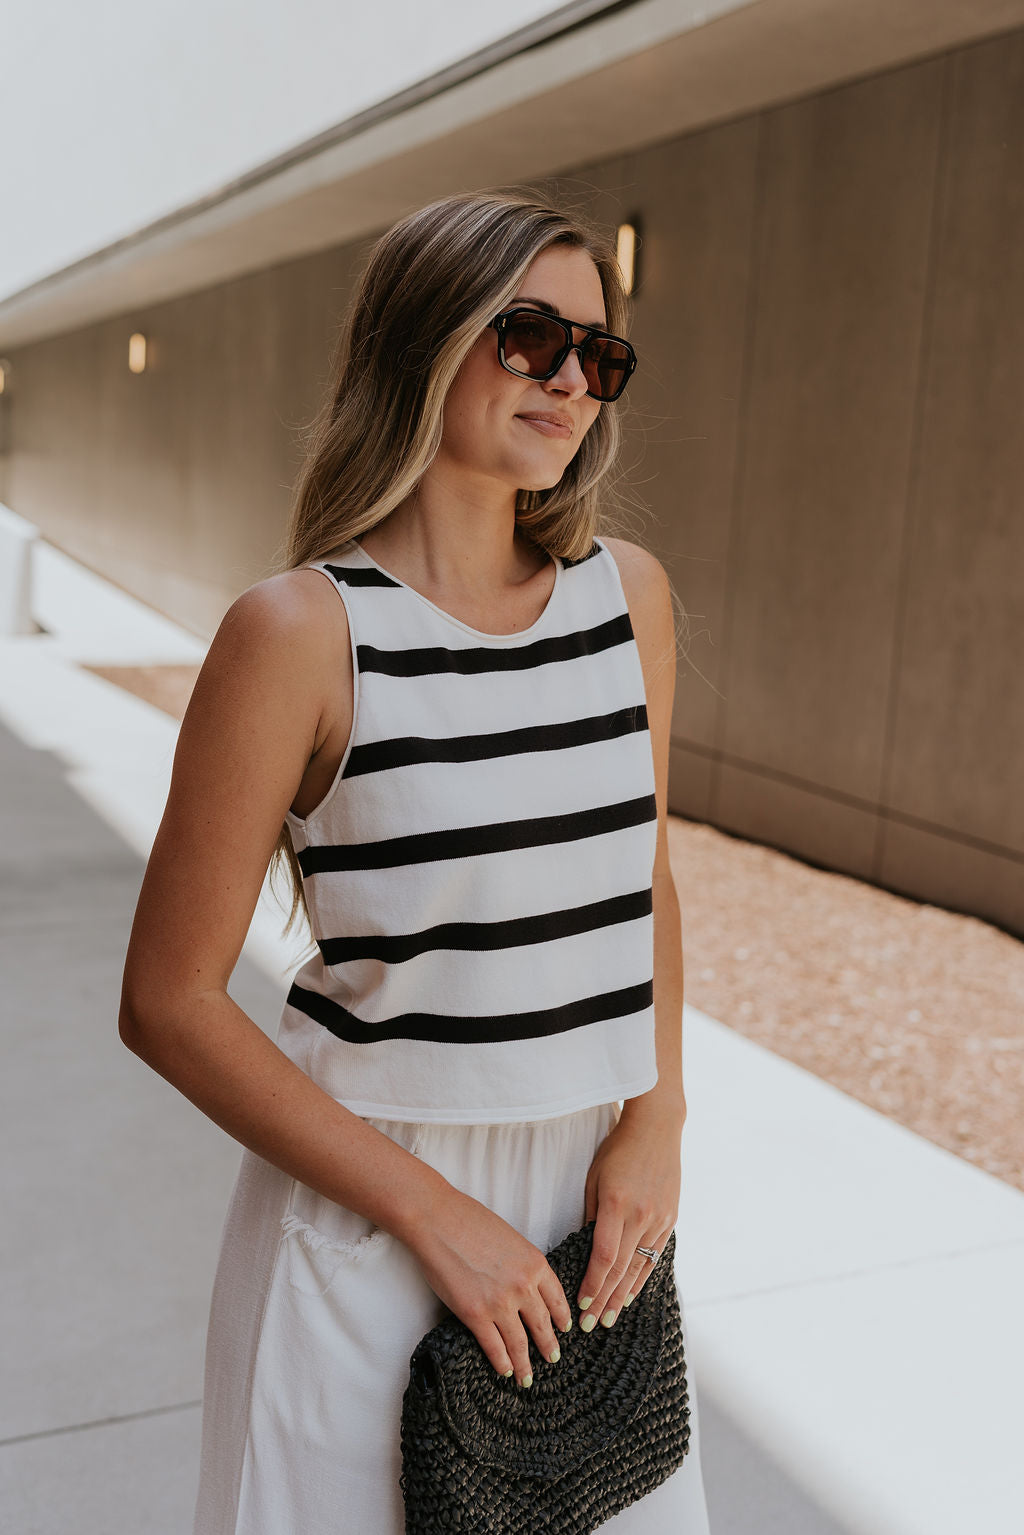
532, 342
606, 367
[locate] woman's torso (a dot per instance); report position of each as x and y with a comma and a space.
506, 613
476, 835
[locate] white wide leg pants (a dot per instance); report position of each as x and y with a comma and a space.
315, 1313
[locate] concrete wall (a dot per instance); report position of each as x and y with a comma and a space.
831, 328
844, 297
175, 482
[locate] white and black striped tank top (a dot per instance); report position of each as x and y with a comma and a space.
479, 874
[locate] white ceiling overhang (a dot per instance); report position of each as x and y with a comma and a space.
591, 81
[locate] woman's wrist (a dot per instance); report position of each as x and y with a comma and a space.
417, 1202
661, 1106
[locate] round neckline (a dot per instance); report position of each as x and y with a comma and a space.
480, 634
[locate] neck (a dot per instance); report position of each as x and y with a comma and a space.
458, 531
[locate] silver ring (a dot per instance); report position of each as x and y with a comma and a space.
650, 1252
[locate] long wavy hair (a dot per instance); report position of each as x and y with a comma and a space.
433, 282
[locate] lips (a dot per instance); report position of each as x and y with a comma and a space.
548, 423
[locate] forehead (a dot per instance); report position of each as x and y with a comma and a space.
566, 278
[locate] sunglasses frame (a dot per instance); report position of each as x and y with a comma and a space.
500, 323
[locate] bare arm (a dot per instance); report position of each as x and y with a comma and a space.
633, 1185
260, 708
650, 609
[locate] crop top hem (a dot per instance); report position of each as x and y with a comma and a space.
403, 1114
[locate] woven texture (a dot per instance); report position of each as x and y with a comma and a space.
601, 1428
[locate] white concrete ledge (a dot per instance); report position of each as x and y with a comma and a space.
17, 538
852, 1294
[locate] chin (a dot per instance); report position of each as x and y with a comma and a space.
541, 481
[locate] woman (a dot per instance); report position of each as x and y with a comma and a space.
449, 715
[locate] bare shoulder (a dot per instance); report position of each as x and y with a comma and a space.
291, 605
636, 563
648, 594
285, 637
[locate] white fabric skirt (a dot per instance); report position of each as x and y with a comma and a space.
314, 1316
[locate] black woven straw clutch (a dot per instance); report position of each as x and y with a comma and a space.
601, 1428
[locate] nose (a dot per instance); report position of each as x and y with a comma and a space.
570, 378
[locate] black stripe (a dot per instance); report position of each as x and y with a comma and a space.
471, 841
427, 660
595, 548
403, 751
543, 927
354, 575
490, 1029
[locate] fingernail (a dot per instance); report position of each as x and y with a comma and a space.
609, 1317
588, 1324
629, 1299
585, 1302
555, 1355
568, 1326
527, 1380
507, 1373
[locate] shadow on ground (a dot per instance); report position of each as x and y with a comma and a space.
114, 1188
747, 1492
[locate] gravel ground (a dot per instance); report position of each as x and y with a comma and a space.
916, 1011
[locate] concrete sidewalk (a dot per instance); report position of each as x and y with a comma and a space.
851, 1290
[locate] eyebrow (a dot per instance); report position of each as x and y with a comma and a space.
542, 303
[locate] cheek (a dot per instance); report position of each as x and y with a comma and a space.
471, 400
458, 417
463, 414
591, 415
468, 425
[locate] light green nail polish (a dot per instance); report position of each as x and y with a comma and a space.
588, 1324
508, 1373
527, 1380
630, 1298
609, 1317
555, 1356
568, 1326
585, 1302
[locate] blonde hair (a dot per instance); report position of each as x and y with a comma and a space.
432, 284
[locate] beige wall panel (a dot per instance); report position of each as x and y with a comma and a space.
259, 350
695, 199
176, 482
958, 746
847, 181
948, 872
141, 507
815, 826
54, 422
237, 447
690, 775
602, 191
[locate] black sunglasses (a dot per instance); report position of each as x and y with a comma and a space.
535, 345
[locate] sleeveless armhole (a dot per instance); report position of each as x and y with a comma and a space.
600, 547
302, 822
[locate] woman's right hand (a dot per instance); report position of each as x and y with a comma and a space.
494, 1280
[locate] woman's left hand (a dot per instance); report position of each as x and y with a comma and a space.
632, 1194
